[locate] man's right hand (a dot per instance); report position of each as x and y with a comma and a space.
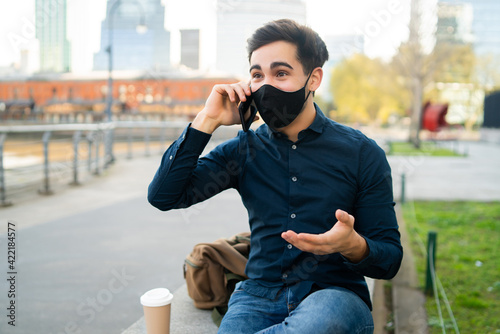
221, 107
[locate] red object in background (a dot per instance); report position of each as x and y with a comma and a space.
433, 117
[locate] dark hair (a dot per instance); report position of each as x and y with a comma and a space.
311, 50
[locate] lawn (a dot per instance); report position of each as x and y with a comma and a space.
467, 261
428, 148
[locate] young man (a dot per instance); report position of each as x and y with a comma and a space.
318, 194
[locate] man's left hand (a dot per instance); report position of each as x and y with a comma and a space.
341, 238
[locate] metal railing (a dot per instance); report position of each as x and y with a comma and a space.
40, 158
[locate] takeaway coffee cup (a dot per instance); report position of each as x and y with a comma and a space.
156, 305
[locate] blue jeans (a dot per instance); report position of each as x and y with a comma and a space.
333, 311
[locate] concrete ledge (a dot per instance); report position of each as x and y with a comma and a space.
371, 286
186, 318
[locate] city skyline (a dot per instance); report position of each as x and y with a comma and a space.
454, 23
235, 25
85, 19
55, 49
485, 25
151, 43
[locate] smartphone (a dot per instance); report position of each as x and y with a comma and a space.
243, 108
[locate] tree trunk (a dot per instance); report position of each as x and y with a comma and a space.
416, 112
416, 75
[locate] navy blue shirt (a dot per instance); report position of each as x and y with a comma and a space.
296, 186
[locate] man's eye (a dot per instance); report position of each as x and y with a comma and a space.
281, 74
256, 76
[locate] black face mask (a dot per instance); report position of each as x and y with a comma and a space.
279, 108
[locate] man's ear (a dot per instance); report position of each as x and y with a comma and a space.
315, 80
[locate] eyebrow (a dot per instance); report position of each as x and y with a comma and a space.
273, 65
255, 67
281, 63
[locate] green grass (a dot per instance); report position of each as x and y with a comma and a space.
426, 148
467, 260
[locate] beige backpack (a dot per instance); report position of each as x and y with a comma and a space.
213, 269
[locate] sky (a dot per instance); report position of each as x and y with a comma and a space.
382, 22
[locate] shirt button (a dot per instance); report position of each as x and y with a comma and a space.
171, 157
289, 246
293, 215
294, 147
284, 276
294, 179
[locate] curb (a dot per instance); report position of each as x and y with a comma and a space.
408, 301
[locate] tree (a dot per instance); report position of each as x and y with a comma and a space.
415, 67
458, 63
487, 72
364, 90
446, 62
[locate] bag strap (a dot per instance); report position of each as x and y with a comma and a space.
218, 313
243, 238
233, 276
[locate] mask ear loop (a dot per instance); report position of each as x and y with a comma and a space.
306, 85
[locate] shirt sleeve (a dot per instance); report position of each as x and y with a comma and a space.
375, 218
184, 179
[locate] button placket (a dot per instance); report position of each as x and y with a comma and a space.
293, 189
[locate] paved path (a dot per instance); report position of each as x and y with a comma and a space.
86, 254
475, 177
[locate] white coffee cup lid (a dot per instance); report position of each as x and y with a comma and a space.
157, 297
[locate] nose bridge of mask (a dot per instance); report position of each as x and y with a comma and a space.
284, 91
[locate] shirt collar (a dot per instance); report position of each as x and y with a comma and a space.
317, 125
319, 121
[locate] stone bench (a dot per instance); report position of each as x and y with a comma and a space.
186, 318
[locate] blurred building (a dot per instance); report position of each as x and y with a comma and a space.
55, 54
237, 20
134, 49
474, 22
190, 48
454, 23
485, 27
82, 98
465, 101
